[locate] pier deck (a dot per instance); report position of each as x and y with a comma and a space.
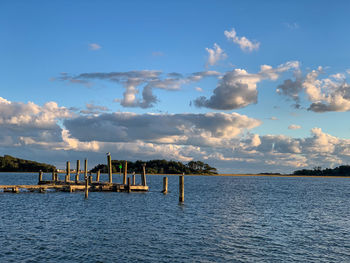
72, 187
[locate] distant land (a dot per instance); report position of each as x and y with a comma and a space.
13, 164
160, 167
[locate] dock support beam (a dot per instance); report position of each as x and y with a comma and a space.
78, 172
67, 179
129, 185
133, 179
125, 172
86, 188
143, 176
109, 164
98, 175
181, 189
40, 176
85, 169
53, 175
165, 185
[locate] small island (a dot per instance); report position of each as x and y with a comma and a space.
13, 164
160, 167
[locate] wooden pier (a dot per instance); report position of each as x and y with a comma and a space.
88, 185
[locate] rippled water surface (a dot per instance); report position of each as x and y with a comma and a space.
224, 219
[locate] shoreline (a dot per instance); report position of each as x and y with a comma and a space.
223, 175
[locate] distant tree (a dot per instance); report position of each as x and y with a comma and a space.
13, 164
160, 167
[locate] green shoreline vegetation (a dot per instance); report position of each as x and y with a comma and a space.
13, 164
161, 167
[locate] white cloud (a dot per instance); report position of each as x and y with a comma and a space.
294, 127
94, 46
238, 88
199, 89
132, 80
244, 43
215, 54
325, 94
224, 140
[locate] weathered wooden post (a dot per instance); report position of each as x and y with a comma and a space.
40, 176
143, 176
98, 175
133, 179
109, 164
165, 185
129, 185
181, 189
86, 188
67, 178
56, 176
77, 172
90, 179
85, 169
86, 179
53, 177
125, 172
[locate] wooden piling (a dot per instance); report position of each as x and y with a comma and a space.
165, 185
56, 176
109, 164
181, 189
98, 176
125, 172
133, 179
53, 176
40, 176
77, 172
86, 188
90, 179
129, 185
67, 178
85, 169
143, 176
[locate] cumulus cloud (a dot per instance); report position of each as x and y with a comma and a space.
215, 54
189, 129
325, 94
132, 80
20, 120
238, 88
224, 140
294, 127
244, 43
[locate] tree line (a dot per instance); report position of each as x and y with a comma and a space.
13, 164
159, 167
343, 170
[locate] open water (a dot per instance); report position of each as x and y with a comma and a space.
223, 219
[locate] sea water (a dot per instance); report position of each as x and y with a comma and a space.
223, 219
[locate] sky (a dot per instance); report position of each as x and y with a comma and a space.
245, 86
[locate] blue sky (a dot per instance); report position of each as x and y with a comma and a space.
247, 86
